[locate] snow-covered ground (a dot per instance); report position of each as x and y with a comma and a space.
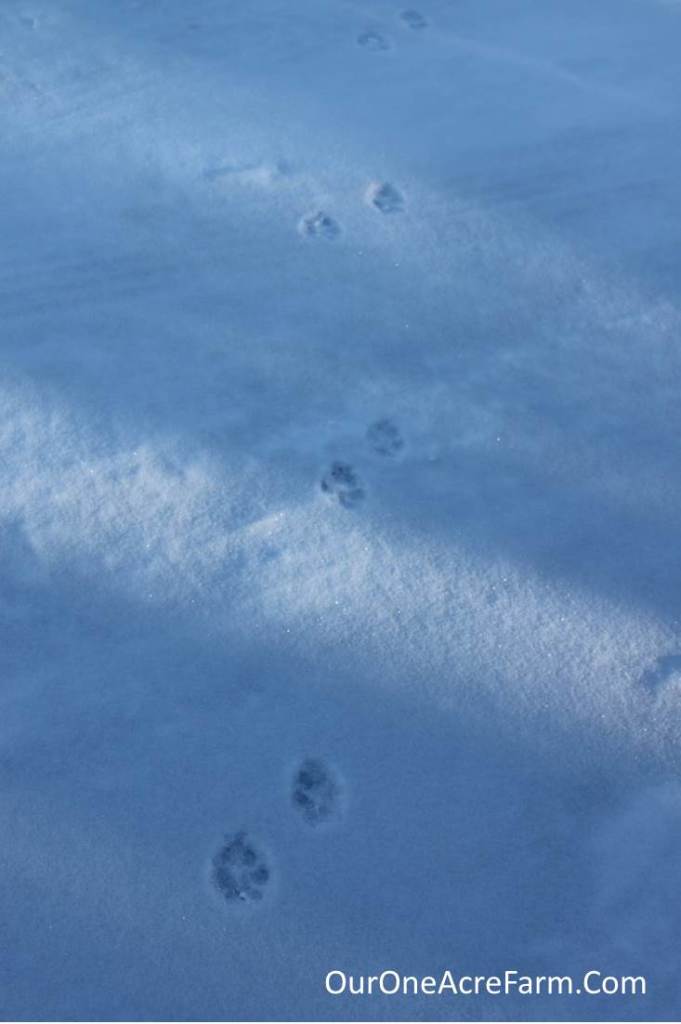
340, 449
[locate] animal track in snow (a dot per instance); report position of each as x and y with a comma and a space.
319, 225
413, 19
342, 481
373, 41
315, 792
240, 872
385, 197
385, 438
666, 668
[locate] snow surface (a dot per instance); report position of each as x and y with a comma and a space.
340, 433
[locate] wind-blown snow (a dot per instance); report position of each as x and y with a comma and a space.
340, 437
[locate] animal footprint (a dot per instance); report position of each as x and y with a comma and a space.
385, 438
413, 19
342, 481
373, 41
663, 671
239, 870
319, 225
315, 792
385, 197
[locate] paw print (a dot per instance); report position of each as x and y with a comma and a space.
666, 669
342, 481
385, 438
413, 19
373, 41
239, 870
384, 197
319, 225
315, 792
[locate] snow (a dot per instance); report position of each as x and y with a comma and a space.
339, 427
